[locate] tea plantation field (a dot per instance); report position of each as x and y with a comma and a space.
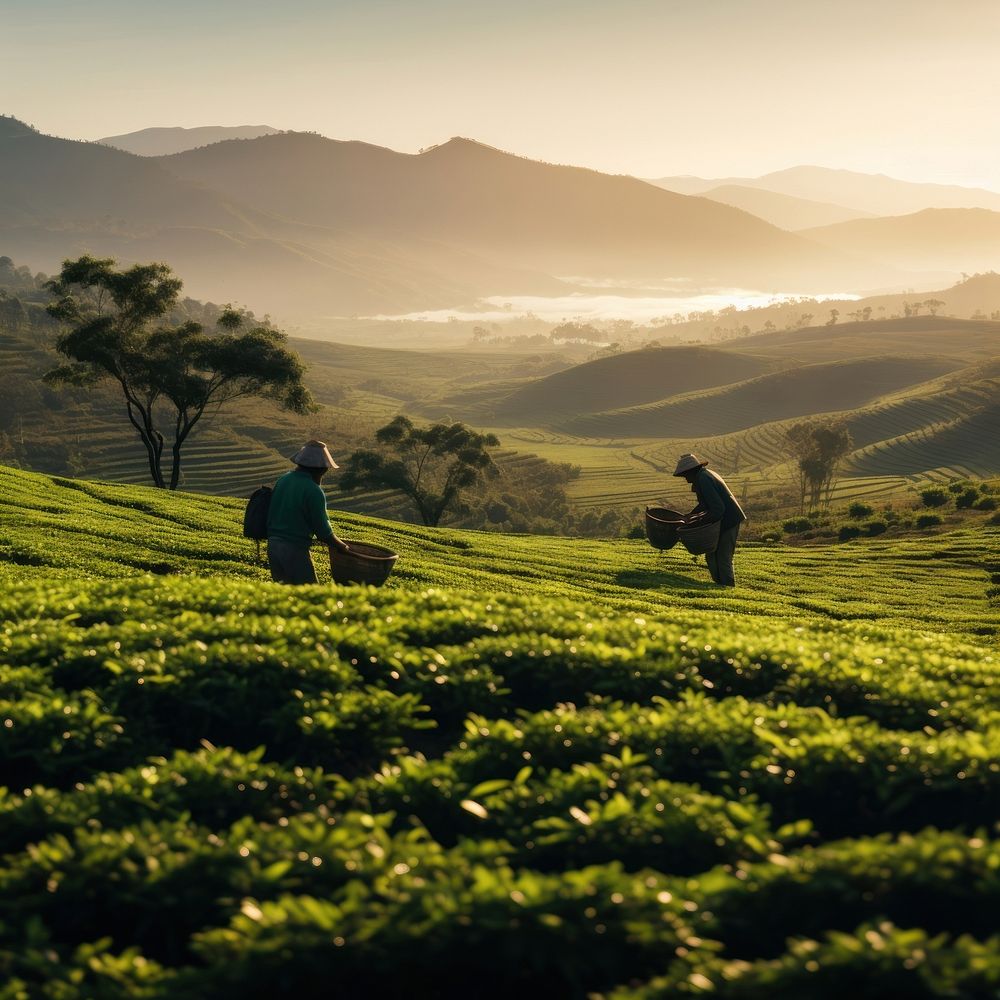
527, 765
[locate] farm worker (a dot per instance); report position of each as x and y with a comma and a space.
715, 503
297, 512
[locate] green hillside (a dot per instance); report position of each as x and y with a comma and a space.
970, 442
627, 379
536, 765
798, 392
912, 415
625, 456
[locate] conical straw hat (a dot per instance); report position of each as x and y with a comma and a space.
688, 462
315, 455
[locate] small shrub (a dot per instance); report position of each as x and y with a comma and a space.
995, 519
859, 510
929, 520
849, 531
986, 503
876, 527
958, 486
771, 536
967, 498
637, 531
934, 497
796, 525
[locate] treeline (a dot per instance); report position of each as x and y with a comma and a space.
25, 297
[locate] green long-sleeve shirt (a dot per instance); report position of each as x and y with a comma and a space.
298, 510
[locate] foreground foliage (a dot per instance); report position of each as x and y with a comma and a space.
464, 784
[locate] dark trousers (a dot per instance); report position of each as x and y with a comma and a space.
290, 563
720, 562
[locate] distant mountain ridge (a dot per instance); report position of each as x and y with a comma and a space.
164, 141
937, 238
306, 227
783, 210
874, 194
552, 219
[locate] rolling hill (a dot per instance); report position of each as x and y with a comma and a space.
955, 239
627, 379
796, 392
969, 441
782, 210
164, 141
905, 423
875, 194
914, 335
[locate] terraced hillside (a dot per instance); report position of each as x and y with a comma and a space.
625, 455
914, 414
531, 764
628, 379
798, 392
969, 442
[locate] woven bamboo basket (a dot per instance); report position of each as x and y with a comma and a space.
661, 527
369, 564
701, 539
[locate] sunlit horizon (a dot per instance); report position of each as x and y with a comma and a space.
644, 88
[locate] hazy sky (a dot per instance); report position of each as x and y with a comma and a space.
650, 87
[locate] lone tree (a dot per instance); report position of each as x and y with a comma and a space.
169, 375
431, 465
818, 449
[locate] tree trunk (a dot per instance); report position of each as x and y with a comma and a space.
175, 464
182, 429
151, 440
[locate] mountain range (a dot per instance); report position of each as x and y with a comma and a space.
163, 141
308, 227
865, 194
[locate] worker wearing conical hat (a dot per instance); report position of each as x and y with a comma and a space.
297, 513
715, 503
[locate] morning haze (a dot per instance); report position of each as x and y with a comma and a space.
499, 500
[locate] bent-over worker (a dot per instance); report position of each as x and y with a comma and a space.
715, 503
297, 512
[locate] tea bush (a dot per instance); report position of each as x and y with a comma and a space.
544, 766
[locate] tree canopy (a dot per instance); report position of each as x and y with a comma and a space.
170, 376
818, 448
433, 465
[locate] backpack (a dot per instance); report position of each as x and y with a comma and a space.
255, 516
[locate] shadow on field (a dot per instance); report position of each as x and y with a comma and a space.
660, 579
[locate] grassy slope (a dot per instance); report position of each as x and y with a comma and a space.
778, 728
627, 380
799, 392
